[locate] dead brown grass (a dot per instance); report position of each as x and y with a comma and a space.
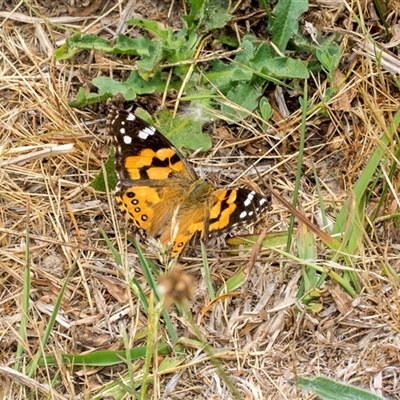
49, 154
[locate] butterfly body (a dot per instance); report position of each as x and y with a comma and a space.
161, 193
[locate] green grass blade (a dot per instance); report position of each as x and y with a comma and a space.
147, 271
25, 303
102, 358
360, 188
50, 325
328, 389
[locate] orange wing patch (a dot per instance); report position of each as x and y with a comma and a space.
153, 164
222, 211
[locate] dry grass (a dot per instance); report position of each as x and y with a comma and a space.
263, 336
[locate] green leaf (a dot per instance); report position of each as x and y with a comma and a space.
215, 14
195, 16
267, 61
86, 42
329, 57
183, 131
222, 75
107, 87
229, 40
285, 67
328, 389
143, 86
285, 25
129, 46
98, 183
233, 283
150, 51
261, 56
206, 15
169, 363
85, 98
169, 46
246, 96
64, 52
154, 54
266, 110
356, 200
152, 26
35, 361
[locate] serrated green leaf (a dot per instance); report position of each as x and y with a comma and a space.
134, 85
85, 98
180, 46
108, 85
263, 53
285, 25
64, 52
143, 86
195, 16
82, 42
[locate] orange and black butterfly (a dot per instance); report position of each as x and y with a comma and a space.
161, 193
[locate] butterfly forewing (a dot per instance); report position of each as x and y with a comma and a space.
142, 153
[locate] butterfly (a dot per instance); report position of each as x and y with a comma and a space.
162, 194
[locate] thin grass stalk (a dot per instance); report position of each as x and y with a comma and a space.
43, 342
25, 299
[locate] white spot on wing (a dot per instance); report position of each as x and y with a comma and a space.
130, 117
146, 132
122, 130
249, 199
127, 139
243, 214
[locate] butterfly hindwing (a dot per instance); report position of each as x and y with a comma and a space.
235, 207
